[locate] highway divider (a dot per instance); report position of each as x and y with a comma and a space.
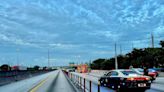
7, 77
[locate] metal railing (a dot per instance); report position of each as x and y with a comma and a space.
85, 84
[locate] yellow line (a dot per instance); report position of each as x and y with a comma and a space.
39, 85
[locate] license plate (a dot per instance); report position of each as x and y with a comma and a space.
141, 85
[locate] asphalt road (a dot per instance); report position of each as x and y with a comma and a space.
54, 81
30, 84
61, 84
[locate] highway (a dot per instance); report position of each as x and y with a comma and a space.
56, 81
61, 84
27, 84
50, 82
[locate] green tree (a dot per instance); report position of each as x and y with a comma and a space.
5, 67
149, 57
36, 67
162, 43
97, 64
108, 64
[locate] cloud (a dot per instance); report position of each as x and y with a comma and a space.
77, 27
107, 35
14, 40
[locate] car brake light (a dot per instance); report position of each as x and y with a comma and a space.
135, 79
130, 79
147, 78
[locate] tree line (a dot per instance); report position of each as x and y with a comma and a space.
146, 57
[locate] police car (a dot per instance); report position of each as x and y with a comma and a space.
125, 79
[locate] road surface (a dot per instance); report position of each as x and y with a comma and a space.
61, 84
27, 84
50, 82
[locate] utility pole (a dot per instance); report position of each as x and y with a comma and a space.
17, 57
152, 40
120, 50
116, 63
48, 58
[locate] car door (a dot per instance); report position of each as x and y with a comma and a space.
113, 79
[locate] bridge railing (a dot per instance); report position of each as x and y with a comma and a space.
86, 84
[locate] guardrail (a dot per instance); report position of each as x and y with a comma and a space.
85, 84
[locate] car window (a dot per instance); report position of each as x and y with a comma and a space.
114, 73
140, 70
128, 72
151, 70
108, 74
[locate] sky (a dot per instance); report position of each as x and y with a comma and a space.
76, 30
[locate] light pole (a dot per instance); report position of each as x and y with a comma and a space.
17, 57
116, 62
120, 50
48, 60
152, 40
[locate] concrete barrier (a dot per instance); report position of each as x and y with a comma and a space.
7, 77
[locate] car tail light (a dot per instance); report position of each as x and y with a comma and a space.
147, 78
130, 79
139, 78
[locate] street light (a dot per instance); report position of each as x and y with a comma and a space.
116, 62
48, 58
17, 50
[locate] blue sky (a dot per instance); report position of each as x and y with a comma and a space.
76, 30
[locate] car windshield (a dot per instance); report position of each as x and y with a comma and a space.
140, 70
128, 72
151, 70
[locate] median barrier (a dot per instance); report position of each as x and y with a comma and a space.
7, 77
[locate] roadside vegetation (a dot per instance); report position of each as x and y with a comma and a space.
149, 57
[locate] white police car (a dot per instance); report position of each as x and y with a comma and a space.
125, 79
